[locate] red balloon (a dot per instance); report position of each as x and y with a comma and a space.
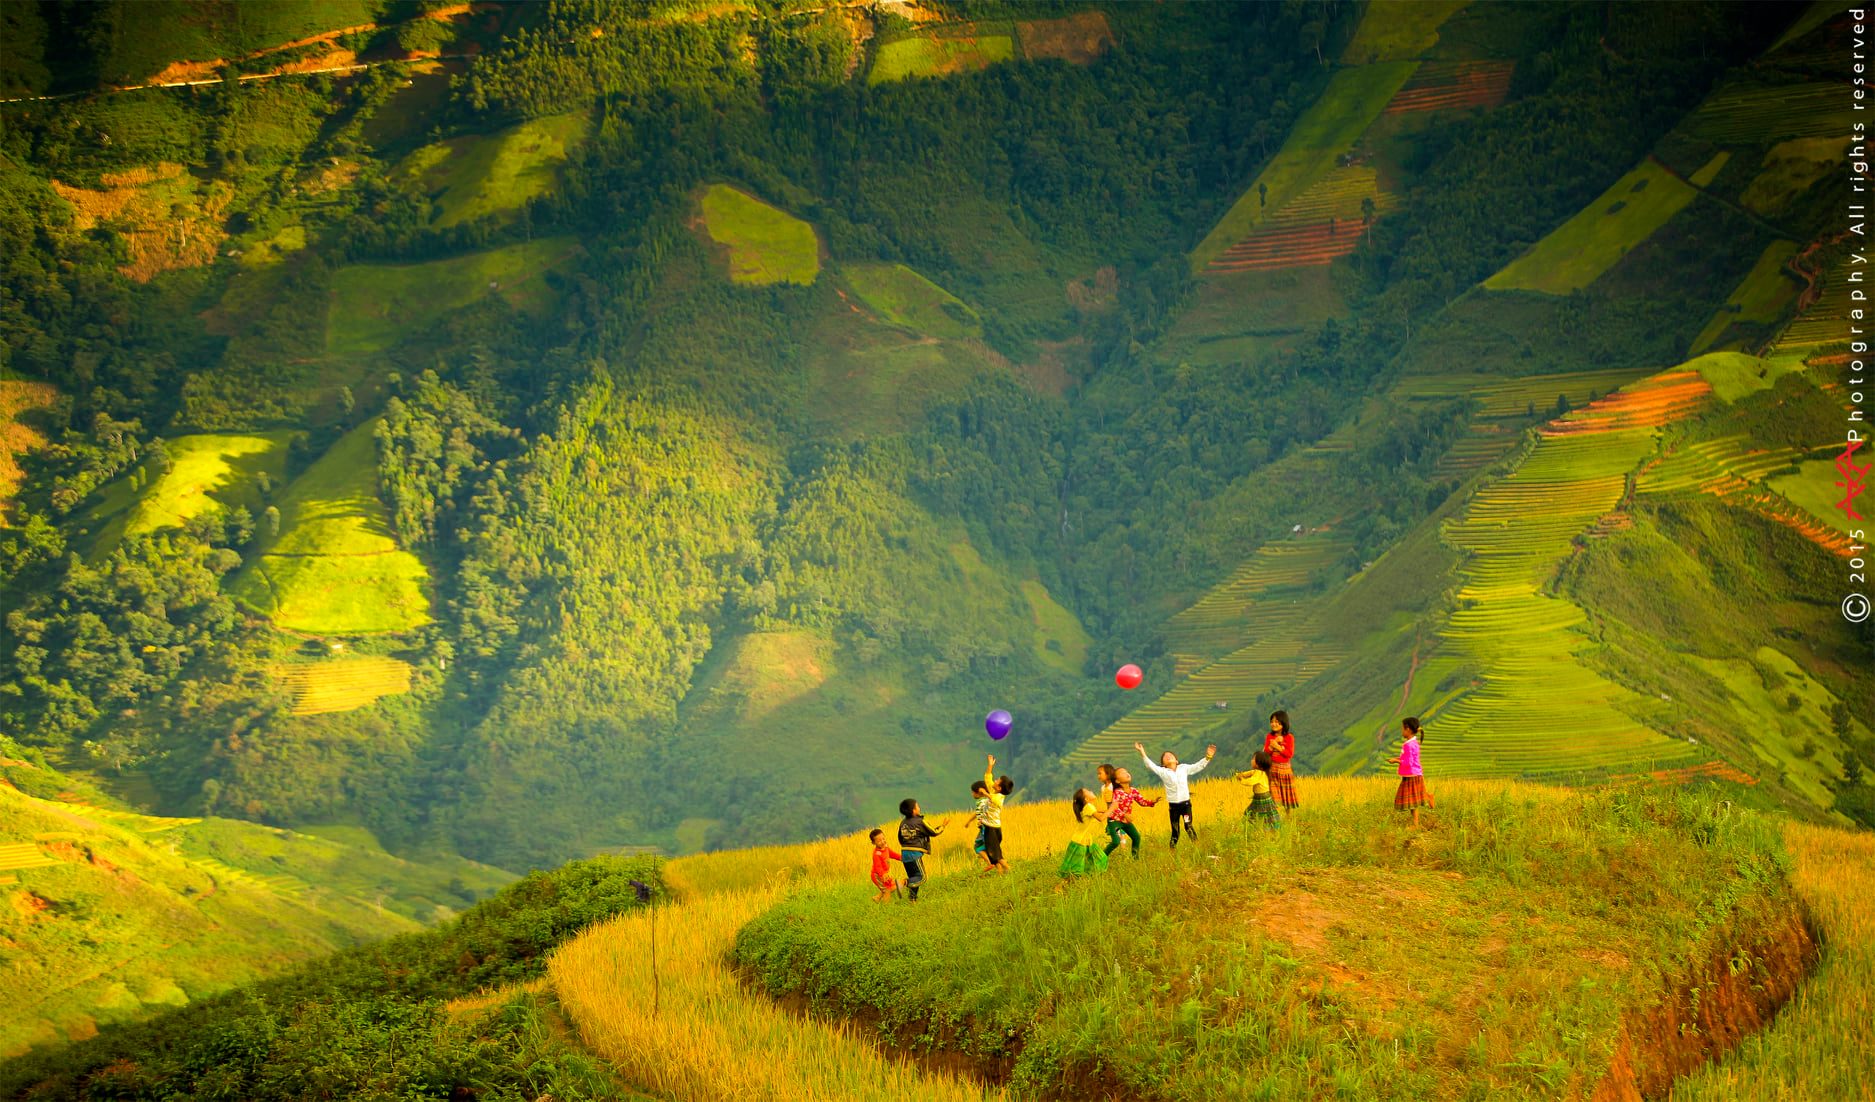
1129, 677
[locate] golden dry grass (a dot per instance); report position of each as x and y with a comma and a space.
708, 1040
166, 223
712, 1040
17, 397
1822, 1044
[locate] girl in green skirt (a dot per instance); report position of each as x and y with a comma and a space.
1262, 809
1084, 856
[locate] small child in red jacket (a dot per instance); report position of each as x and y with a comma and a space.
881, 865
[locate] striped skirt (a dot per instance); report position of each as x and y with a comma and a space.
1411, 793
1082, 860
1283, 784
1262, 811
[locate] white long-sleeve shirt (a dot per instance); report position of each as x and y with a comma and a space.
1177, 781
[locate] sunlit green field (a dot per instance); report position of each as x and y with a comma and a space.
207, 472
335, 568
375, 306
494, 174
928, 55
903, 297
1576, 253
765, 245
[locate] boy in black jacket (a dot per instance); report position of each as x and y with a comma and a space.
914, 841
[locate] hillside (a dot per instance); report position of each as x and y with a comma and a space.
410, 1016
502, 435
111, 915
1272, 959
1247, 945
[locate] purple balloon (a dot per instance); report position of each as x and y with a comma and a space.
998, 723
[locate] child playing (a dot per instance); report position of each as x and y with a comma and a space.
1281, 745
914, 839
881, 862
1177, 780
980, 792
1412, 791
1262, 807
990, 793
1084, 856
1120, 812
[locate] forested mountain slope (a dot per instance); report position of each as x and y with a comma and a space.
604, 425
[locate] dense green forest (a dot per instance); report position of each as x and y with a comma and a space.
621, 482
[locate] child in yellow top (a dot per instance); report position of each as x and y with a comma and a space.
990, 792
1084, 854
1262, 807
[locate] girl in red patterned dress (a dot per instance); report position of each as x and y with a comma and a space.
1280, 745
1412, 792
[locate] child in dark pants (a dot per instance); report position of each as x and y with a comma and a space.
1177, 780
915, 838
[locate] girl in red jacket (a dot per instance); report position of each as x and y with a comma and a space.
1280, 745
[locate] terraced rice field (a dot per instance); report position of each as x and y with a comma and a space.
133, 820
1811, 495
1711, 770
1257, 617
1482, 445
1824, 321
1222, 619
19, 399
1319, 226
15, 856
1668, 396
1329, 128
1744, 114
1761, 298
1454, 85
1734, 375
375, 306
1712, 467
335, 568
765, 244
1178, 720
1500, 398
343, 684
280, 884
493, 174
1531, 703
1398, 30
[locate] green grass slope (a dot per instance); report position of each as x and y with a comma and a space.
1759, 300
765, 245
1576, 253
207, 472
335, 568
903, 297
108, 916
1527, 944
494, 174
951, 49
375, 306
429, 1014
